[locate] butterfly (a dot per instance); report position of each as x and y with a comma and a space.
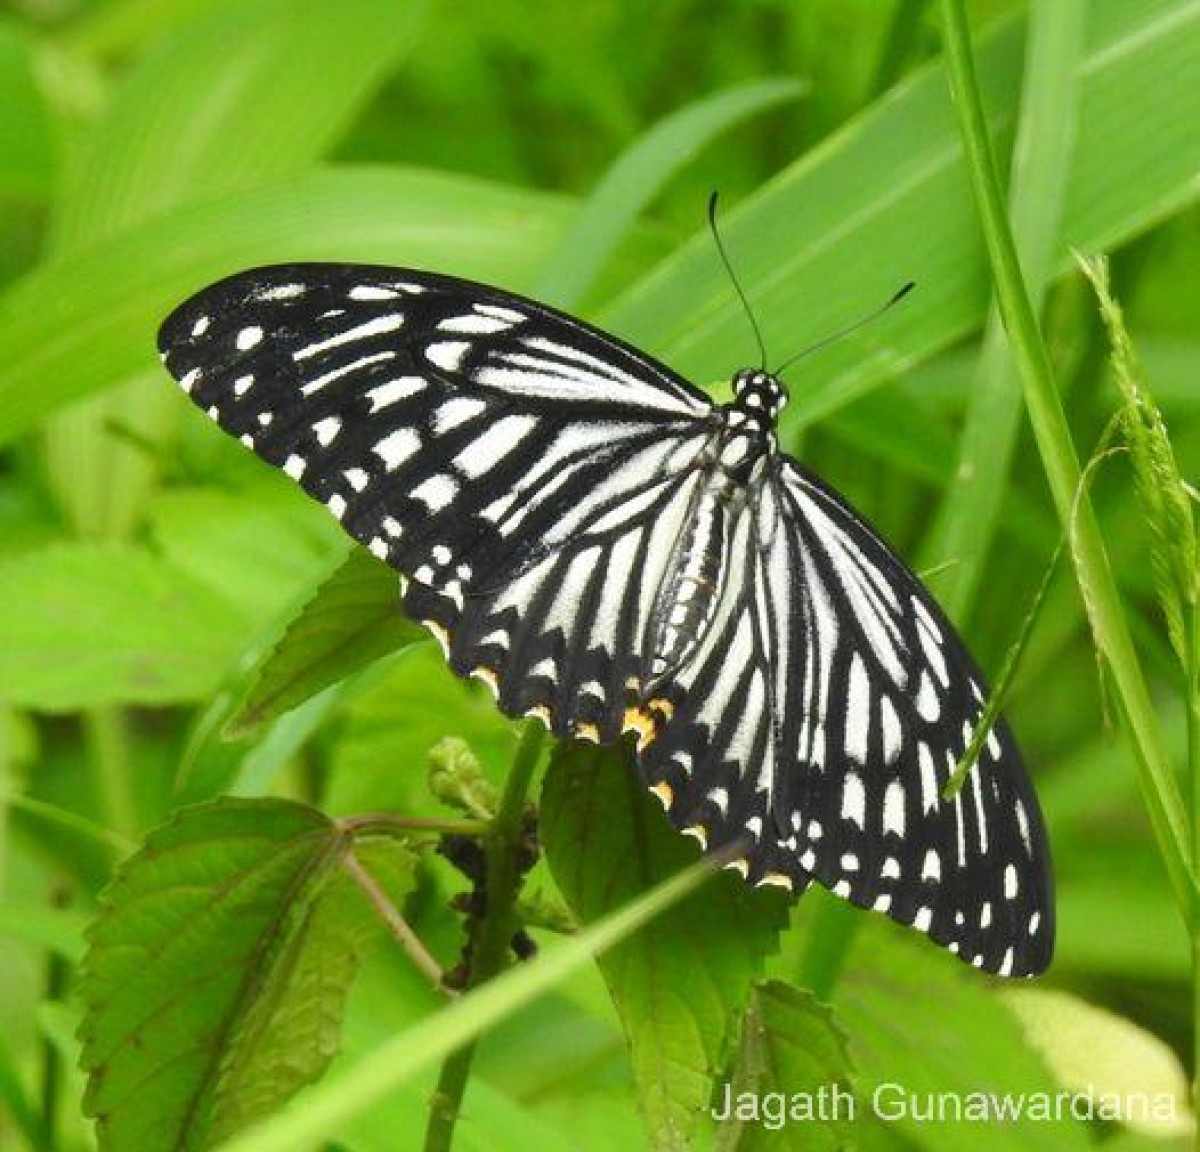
612, 552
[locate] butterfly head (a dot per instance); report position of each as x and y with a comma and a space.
759, 394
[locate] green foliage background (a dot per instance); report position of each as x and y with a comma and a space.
146, 564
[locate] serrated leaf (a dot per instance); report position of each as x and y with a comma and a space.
87, 624
216, 974
353, 619
790, 1086
680, 982
922, 1026
292, 1030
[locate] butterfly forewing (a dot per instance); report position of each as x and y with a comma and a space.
453, 429
537, 481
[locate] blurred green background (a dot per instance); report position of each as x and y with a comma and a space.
567, 151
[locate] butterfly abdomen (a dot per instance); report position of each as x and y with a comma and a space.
688, 595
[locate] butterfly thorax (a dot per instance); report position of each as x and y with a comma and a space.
748, 423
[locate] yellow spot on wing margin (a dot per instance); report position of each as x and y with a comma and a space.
440, 635
587, 731
663, 791
641, 722
539, 712
488, 677
776, 880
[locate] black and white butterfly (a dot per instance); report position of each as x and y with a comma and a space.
612, 552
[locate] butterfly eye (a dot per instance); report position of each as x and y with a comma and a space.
743, 380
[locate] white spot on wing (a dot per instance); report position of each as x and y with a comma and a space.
326, 430
492, 445
499, 312
436, 492
858, 711
281, 292
201, 326
1023, 826
399, 389
456, 412
854, 799
1010, 882
447, 354
248, 338
398, 447
929, 783
892, 733
377, 326
474, 325
319, 382
893, 808
931, 869
928, 705
369, 292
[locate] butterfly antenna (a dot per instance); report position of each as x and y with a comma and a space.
737, 284
842, 333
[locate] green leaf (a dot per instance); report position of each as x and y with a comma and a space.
26, 155
790, 1048
967, 517
1097, 1053
216, 975
680, 983
260, 548
921, 1023
55, 929
214, 765
87, 624
846, 213
353, 619
640, 173
84, 323
398, 712
228, 101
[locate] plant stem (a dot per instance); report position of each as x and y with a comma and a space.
412, 944
492, 931
967, 522
1061, 465
1193, 755
107, 734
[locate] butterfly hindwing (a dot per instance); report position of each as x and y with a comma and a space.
890, 701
